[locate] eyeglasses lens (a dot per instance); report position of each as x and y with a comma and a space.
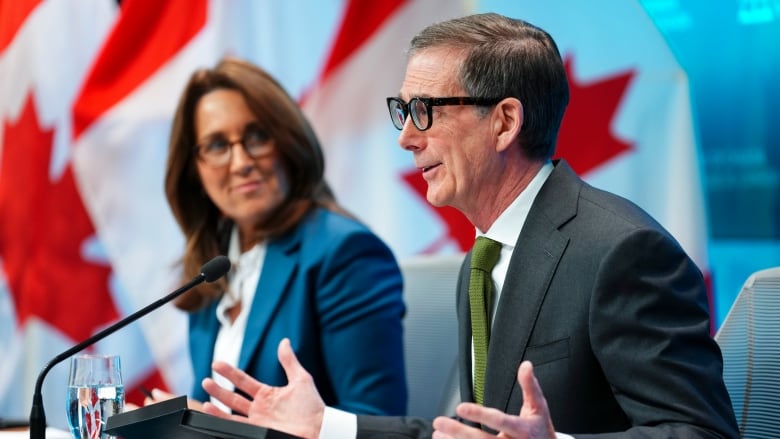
397, 113
419, 112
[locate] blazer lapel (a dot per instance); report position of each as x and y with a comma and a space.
281, 261
204, 328
538, 251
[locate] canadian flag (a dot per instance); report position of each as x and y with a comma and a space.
87, 93
86, 101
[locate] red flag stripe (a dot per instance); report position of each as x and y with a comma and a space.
13, 13
146, 36
361, 20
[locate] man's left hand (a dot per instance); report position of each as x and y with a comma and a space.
533, 422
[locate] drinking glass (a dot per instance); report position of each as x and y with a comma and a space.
95, 392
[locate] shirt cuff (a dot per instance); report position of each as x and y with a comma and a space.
338, 424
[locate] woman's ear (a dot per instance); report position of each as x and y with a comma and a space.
508, 121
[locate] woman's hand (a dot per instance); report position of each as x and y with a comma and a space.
296, 408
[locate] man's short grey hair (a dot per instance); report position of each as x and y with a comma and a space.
507, 57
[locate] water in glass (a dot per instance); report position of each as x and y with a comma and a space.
95, 392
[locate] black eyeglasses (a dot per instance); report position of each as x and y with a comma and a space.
421, 109
217, 150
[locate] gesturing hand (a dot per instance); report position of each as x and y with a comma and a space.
533, 422
296, 408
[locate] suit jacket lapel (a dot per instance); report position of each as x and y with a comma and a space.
538, 251
281, 261
204, 328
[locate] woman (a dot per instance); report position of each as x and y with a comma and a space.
245, 177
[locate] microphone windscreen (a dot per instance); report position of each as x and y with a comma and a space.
215, 268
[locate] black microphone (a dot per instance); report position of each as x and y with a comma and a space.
209, 272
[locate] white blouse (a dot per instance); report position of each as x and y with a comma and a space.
242, 283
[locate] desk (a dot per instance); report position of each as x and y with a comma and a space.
24, 433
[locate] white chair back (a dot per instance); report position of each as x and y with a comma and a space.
431, 333
750, 341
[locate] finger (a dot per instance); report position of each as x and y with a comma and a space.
239, 378
533, 397
213, 410
231, 399
495, 419
439, 435
194, 405
443, 423
292, 367
446, 428
160, 395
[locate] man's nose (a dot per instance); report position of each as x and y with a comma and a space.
410, 138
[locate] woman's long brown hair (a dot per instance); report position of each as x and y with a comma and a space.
205, 229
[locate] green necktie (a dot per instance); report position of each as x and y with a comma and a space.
484, 256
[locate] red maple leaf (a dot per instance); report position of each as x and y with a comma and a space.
43, 228
585, 140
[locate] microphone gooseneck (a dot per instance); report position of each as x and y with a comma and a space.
209, 272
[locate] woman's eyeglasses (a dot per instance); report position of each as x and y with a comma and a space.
217, 150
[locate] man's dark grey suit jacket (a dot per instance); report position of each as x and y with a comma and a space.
612, 313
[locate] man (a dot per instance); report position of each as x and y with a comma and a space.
599, 327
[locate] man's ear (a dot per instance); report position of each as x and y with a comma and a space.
508, 120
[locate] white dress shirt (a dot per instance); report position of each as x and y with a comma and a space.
242, 282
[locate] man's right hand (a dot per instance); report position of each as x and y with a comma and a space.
296, 408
